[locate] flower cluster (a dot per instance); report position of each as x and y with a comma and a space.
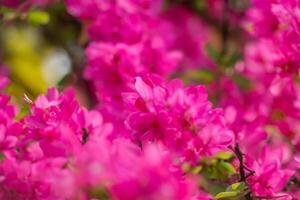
182, 118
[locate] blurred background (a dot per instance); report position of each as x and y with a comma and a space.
42, 46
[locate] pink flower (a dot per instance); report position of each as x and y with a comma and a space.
60, 125
116, 168
182, 118
187, 33
269, 177
10, 130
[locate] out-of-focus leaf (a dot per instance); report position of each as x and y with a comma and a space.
234, 191
203, 76
224, 155
230, 60
241, 81
227, 167
8, 13
238, 187
200, 5
227, 195
2, 156
297, 79
37, 17
23, 55
99, 193
239, 5
25, 110
196, 170
213, 53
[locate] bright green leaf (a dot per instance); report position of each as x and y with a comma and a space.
237, 187
227, 195
224, 155
227, 167
37, 17
196, 170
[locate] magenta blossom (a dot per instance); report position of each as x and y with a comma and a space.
182, 118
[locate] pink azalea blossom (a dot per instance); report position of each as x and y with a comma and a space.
182, 118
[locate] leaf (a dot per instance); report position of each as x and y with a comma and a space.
212, 52
224, 155
8, 13
25, 110
37, 17
2, 156
237, 187
25, 55
227, 167
202, 76
242, 81
297, 79
196, 170
230, 60
228, 195
99, 193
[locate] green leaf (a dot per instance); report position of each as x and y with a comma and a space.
8, 13
237, 187
2, 156
227, 167
4, 10
242, 81
196, 170
297, 79
224, 155
25, 110
227, 195
230, 60
99, 193
212, 52
202, 76
37, 17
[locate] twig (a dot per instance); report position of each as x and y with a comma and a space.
243, 176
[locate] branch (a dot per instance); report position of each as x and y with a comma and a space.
242, 168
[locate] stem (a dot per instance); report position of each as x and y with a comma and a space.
243, 176
85, 136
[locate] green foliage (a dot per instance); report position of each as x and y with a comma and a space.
239, 186
37, 17
224, 155
99, 193
2, 156
24, 53
227, 195
223, 60
204, 76
241, 81
25, 110
213, 53
8, 14
234, 191
226, 167
215, 168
